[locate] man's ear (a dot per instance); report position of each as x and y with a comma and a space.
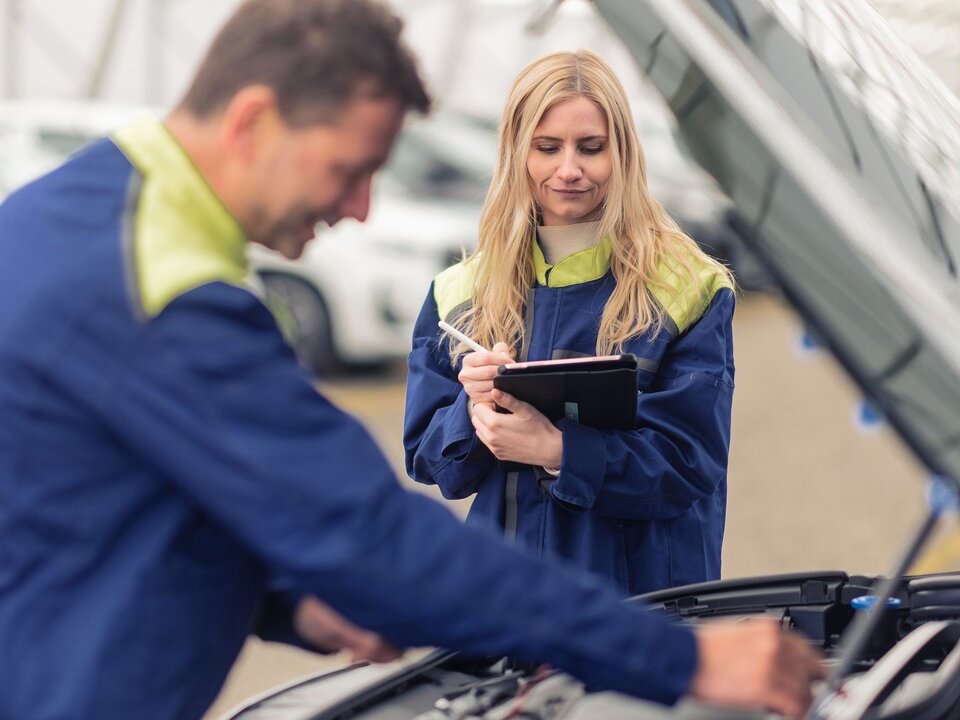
250, 122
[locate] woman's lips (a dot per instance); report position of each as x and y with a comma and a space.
570, 193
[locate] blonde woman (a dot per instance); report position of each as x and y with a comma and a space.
575, 258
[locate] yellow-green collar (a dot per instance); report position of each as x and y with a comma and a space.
183, 235
591, 263
150, 146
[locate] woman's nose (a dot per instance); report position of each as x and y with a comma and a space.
569, 169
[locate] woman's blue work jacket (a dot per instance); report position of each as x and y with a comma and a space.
643, 507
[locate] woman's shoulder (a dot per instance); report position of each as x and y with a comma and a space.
688, 281
455, 286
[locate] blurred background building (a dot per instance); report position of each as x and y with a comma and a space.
142, 51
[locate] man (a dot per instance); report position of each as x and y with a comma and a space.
170, 480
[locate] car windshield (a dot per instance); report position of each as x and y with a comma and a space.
841, 152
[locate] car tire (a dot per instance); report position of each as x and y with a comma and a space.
314, 344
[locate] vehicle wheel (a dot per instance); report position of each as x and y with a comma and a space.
314, 344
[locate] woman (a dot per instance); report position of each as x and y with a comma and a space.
574, 259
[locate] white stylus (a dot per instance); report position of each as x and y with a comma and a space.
450, 329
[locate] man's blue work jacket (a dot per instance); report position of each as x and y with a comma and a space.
643, 507
170, 480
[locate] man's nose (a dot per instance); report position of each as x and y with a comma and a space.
357, 202
569, 170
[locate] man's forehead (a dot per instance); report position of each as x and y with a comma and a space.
372, 107
373, 121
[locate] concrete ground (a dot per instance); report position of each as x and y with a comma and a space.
808, 488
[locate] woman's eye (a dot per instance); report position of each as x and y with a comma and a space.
547, 148
591, 149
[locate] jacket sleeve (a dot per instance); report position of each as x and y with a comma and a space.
440, 443
214, 401
678, 453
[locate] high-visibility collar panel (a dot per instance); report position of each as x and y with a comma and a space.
684, 301
180, 234
453, 289
591, 263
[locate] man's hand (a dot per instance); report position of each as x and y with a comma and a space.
753, 663
328, 631
525, 435
478, 371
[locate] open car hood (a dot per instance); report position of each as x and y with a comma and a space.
841, 153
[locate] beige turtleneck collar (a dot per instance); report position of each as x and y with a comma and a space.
558, 241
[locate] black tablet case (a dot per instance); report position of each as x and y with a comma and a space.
599, 393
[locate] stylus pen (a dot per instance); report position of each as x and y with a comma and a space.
450, 329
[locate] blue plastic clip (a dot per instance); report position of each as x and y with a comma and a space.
865, 602
868, 418
806, 345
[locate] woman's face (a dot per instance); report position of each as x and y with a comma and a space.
569, 162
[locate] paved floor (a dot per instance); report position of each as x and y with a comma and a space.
808, 489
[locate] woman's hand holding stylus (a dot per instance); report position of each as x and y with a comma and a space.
479, 369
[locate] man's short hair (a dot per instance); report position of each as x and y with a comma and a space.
314, 54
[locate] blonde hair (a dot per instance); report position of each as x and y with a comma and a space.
646, 242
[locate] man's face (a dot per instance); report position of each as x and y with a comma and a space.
319, 173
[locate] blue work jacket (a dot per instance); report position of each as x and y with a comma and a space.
170, 479
644, 508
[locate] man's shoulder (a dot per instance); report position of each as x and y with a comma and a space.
59, 238
98, 171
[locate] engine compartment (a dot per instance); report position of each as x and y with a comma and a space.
909, 668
